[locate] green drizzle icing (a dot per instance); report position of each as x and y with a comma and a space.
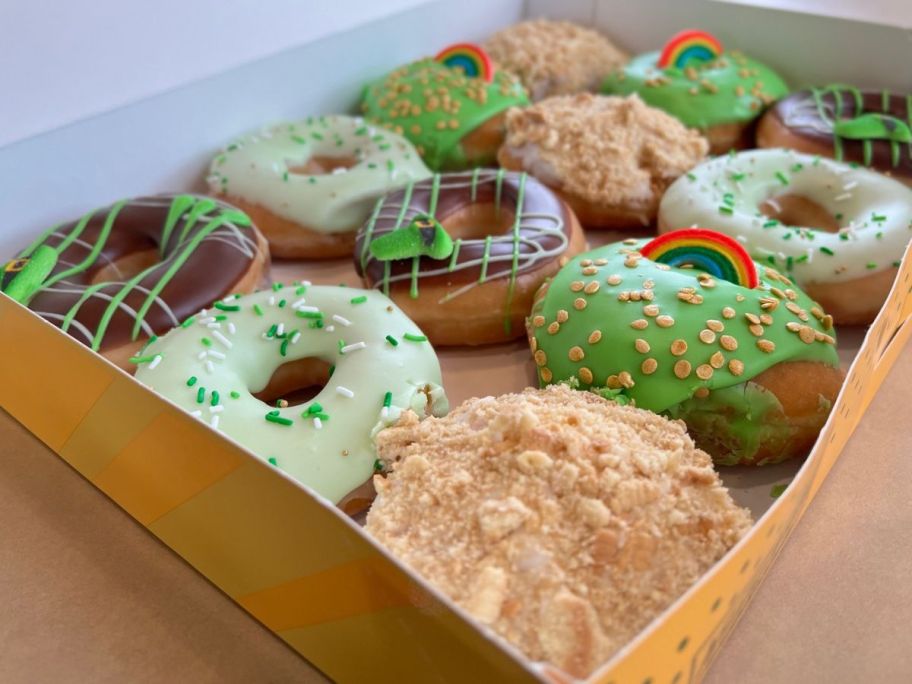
29, 273
873, 126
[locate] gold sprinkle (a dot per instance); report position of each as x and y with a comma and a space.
545, 374
635, 296
631, 261
648, 284
707, 282
701, 392
736, 367
538, 321
707, 336
766, 319
540, 357
779, 293
817, 313
717, 360
807, 334
585, 375
624, 296
714, 325
639, 324
792, 326
827, 322
649, 366
678, 347
651, 309
728, 343
562, 316
756, 330
682, 368
576, 353
579, 303
576, 286
728, 312
648, 295
629, 241
739, 297
705, 371
612, 382
586, 262
592, 287
663, 267
791, 294
601, 261
766, 346
614, 279
665, 321
625, 379
595, 336
768, 303
753, 318
641, 345
590, 270
553, 328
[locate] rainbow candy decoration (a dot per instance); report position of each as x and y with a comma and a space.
706, 251
469, 57
689, 44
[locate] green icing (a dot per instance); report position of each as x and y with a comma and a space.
582, 327
30, 273
424, 236
435, 106
873, 126
701, 95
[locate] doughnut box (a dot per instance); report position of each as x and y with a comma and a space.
292, 560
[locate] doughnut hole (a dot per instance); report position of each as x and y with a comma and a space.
321, 165
478, 220
799, 210
126, 266
296, 382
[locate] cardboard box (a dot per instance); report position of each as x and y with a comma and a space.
295, 563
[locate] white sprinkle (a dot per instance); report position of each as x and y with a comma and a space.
318, 423
214, 326
341, 320
305, 283
202, 312
384, 412
216, 409
271, 301
154, 362
215, 354
354, 346
339, 169
231, 328
229, 298
221, 338
207, 320
196, 414
213, 178
214, 421
294, 338
330, 328
775, 205
345, 392
850, 185
841, 198
210, 367
741, 238
201, 355
298, 303
309, 309
280, 330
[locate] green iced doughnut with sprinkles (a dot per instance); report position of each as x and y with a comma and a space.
706, 87
696, 331
450, 107
380, 364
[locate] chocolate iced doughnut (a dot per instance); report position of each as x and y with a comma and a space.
484, 241
847, 124
123, 274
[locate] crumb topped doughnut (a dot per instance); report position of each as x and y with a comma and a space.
577, 521
753, 371
554, 57
611, 158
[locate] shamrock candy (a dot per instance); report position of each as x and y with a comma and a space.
21, 278
873, 126
424, 236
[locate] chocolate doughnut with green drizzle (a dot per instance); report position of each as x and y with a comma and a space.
437, 108
123, 274
873, 128
680, 342
508, 233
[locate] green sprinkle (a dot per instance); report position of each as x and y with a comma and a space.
378, 465
776, 490
317, 324
142, 359
301, 289
787, 236
332, 369
272, 461
313, 408
272, 330
200, 395
772, 223
879, 235
371, 165
206, 341
878, 217
361, 131
389, 162
691, 177
321, 416
283, 349
387, 399
235, 395
782, 178
738, 177
215, 398
277, 286
392, 340
802, 258
309, 314
359, 300
854, 165
285, 176
838, 216
843, 236
871, 265
316, 136
771, 259
311, 180
274, 417
221, 317
728, 198
896, 264
299, 139
221, 306
827, 251
191, 381
257, 309
415, 338
797, 167
341, 344
187, 323
282, 303
726, 210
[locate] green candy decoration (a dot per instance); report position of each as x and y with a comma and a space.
424, 236
28, 273
873, 127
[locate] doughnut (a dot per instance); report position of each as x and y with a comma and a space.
308, 185
675, 326
719, 92
577, 521
838, 231
120, 275
454, 119
554, 57
224, 364
463, 253
846, 124
610, 158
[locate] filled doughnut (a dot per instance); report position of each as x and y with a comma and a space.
577, 521
721, 93
687, 325
846, 124
838, 231
308, 185
463, 253
610, 158
554, 57
451, 106
227, 362
120, 275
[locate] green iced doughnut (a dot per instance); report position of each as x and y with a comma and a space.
381, 365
